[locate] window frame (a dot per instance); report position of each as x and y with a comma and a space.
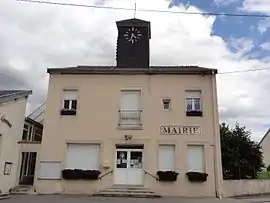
193, 98
163, 100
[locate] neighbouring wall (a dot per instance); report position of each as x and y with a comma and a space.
232, 188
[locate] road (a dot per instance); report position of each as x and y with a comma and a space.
88, 199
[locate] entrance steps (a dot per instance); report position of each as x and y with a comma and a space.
134, 192
22, 190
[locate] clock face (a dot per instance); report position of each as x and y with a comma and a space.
132, 35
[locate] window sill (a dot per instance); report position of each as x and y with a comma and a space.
120, 127
29, 142
194, 113
68, 112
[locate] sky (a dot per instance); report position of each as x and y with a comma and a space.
35, 37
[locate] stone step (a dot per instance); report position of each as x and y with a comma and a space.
127, 191
127, 194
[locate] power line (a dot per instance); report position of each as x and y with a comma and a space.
244, 71
147, 10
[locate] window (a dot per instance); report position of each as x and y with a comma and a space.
196, 158
32, 133
83, 156
70, 99
130, 108
193, 100
50, 170
166, 104
69, 102
193, 103
166, 158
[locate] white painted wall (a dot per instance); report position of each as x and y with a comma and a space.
232, 188
14, 112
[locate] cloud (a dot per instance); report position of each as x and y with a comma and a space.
263, 25
241, 46
261, 6
34, 37
224, 2
265, 46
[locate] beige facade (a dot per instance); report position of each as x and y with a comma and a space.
97, 122
12, 112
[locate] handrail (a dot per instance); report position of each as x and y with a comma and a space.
111, 171
146, 172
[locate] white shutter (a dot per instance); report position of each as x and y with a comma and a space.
196, 158
50, 170
166, 158
83, 156
70, 94
130, 100
193, 94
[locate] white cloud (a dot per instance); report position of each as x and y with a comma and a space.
34, 37
265, 46
224, 2
262, 6
241, 45
264, 25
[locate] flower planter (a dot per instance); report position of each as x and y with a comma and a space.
197, 176
194, 113
70, 174
169, 176
90, 175
69, 112
76, 174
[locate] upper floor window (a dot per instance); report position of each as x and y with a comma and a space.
166, 104
193, 103
69, 102
130, 108
32, 133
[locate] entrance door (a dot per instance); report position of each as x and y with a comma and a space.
128, 167
28, 164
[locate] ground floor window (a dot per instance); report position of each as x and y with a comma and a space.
166, 158
83, 156
196, 161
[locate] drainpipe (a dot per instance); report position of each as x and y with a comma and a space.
217, 149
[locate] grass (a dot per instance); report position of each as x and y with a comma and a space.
264, 175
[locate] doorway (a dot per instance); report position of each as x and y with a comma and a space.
28, 165
128, 167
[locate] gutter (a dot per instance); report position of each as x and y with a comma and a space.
217, 149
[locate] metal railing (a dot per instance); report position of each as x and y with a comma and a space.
105, 174
130, 117
147, 173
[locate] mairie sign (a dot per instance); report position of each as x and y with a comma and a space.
179, 130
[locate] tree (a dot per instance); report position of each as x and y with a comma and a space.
241, 157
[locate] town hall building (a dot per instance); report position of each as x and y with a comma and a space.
131, 126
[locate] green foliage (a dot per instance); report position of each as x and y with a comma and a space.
268, 168
241, 157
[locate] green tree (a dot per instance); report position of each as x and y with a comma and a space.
241, 157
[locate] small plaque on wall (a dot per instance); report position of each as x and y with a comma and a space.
179, 130
7, 168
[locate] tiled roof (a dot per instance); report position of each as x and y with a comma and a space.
180, 70
7, 95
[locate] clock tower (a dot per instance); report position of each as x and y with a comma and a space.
133, 43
